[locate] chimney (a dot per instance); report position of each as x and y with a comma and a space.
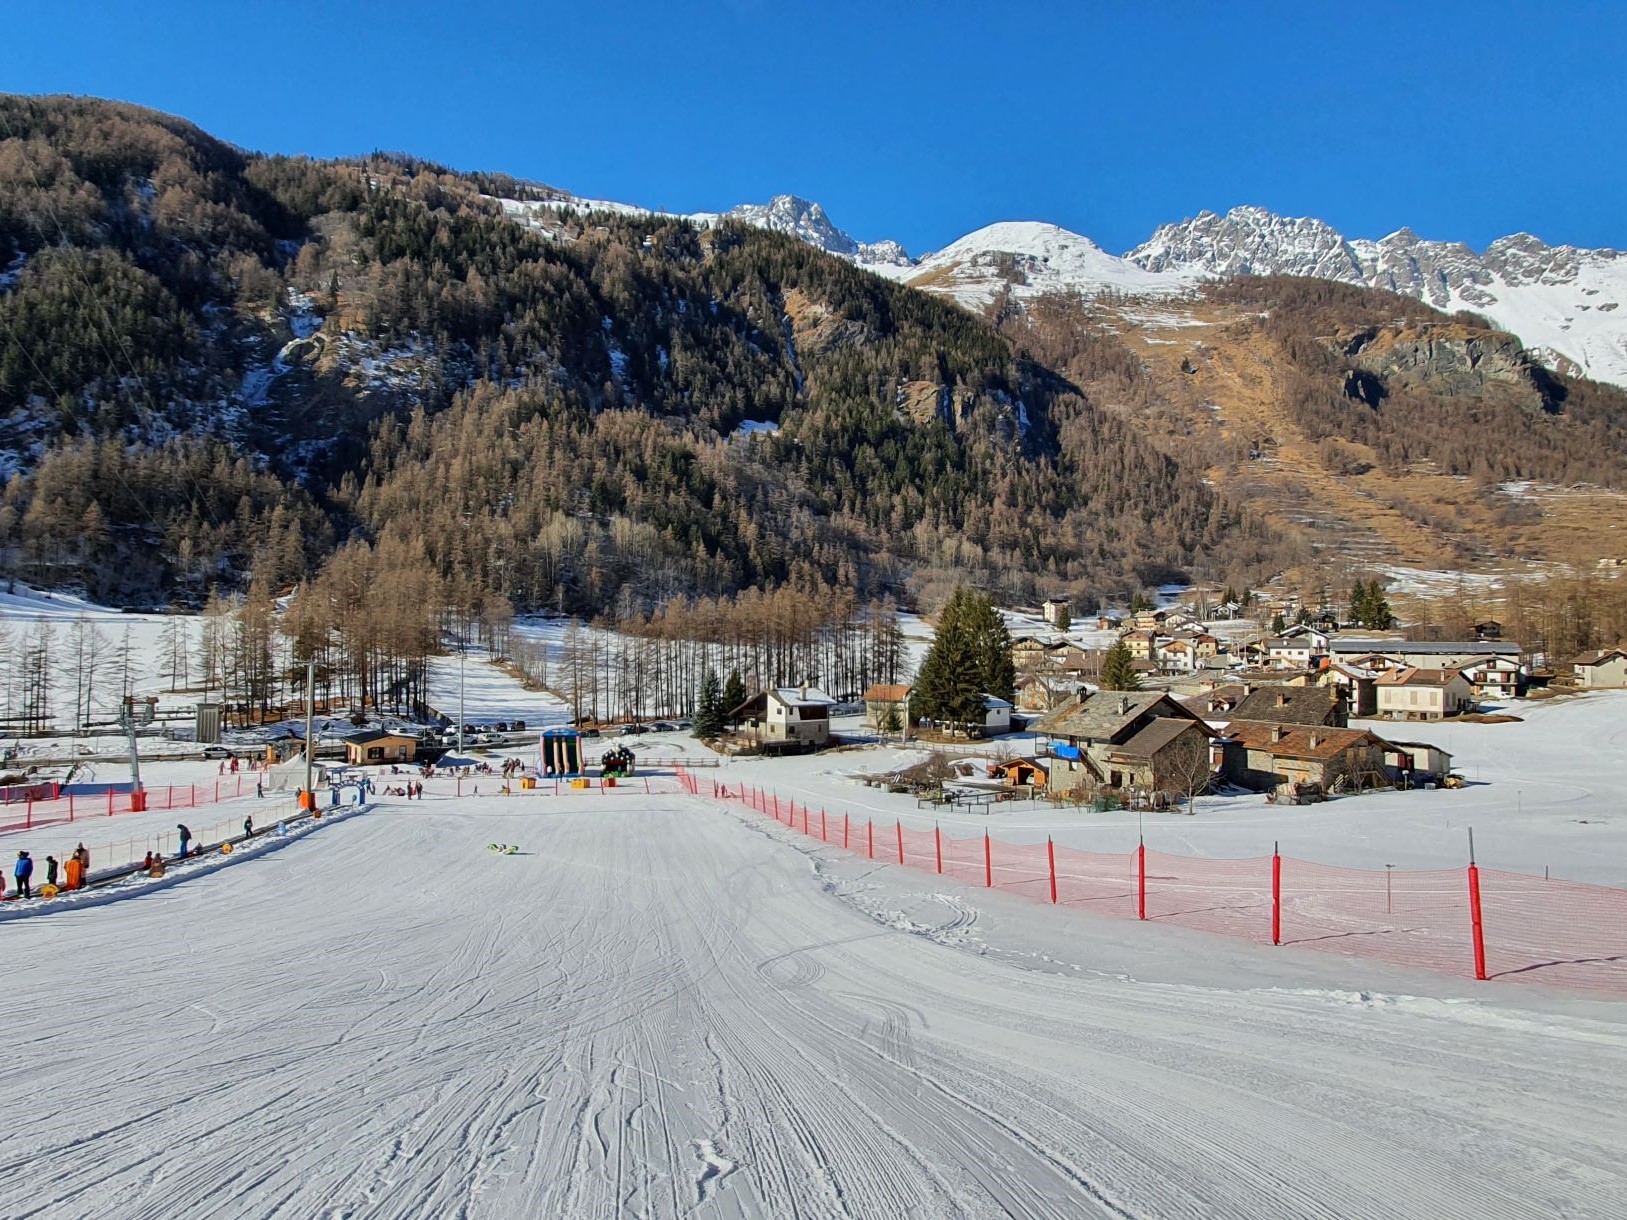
1124, 704
1282, 698
1315, 739
1277, 733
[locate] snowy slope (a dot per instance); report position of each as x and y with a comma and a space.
1034, 258
663, 1010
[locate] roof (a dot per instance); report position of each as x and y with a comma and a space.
1156, 736
1218, 701
1102, 715
1413, 676
367, 738
994, 703
1038, 764
1288, 705
1424, 648
887, 692
801, 696
1598, 658
1296, 739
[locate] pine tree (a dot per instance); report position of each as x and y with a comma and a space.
949, 686
1064, 620
1118, 669
1278, 625
1358, 603
709, 710
991, 646
734, 694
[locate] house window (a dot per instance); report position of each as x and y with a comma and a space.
375, 753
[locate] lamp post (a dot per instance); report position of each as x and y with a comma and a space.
310, 718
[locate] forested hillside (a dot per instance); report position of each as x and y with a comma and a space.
214, 359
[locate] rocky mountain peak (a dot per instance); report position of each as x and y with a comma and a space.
804, 219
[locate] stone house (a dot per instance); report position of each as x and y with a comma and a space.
1263, 756
1091, 737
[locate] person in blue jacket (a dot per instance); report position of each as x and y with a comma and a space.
186, 837
24, 873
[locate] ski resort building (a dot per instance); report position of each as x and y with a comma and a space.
373, 749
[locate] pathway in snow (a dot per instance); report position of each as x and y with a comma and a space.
661, 1009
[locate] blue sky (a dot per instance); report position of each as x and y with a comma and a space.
915, 120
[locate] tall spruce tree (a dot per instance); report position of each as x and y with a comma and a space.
709, 710
1118, 669
949, 685
734, 694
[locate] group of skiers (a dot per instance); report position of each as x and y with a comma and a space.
78, 872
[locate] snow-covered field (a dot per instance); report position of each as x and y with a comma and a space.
662, 1008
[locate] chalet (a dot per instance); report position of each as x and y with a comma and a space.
1289, 652
1057, 612
1491, 629
884, 699
1080, 664
1029, 652
1205, 647
364, 749
1088, 731
796, 717
1494, 677
1422, 654
1264, 756
1295, 705
1108, 622
1423, 694
1601, 670
1140, 642
996, 716
1419, 762
1022, 772
1177, 656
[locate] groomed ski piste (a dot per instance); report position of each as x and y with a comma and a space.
663, 1006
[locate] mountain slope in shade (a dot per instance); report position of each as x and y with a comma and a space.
1564, 302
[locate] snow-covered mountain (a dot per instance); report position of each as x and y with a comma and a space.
799, 218
1568, 305
1033, 258
1564, 303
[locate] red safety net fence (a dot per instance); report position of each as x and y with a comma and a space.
1476, 922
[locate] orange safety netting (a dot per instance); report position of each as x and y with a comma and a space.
1567, 933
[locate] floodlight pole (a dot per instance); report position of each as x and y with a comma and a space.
135, 756
310, 718
460, 691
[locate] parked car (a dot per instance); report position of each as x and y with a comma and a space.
590, 732
629, 730
517, 726
661, 726
216, 752
500, 727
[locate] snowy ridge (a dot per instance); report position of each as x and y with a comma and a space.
1562, 301
1565, 303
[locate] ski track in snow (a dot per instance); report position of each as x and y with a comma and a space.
663, 1009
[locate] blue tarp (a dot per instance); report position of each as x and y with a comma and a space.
1062, 751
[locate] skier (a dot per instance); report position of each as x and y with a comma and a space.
50, 870
259, 789
248, 827
82, 853
186, 837
24, 872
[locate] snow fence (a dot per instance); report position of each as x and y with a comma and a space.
1481, 923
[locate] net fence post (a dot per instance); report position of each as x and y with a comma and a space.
1276, 894
1141, 880
898, 827
988, 861
1050, 860
1476, 926
937, 845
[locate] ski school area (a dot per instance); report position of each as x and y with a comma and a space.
764, 989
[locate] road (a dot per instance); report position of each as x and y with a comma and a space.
660, 1009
